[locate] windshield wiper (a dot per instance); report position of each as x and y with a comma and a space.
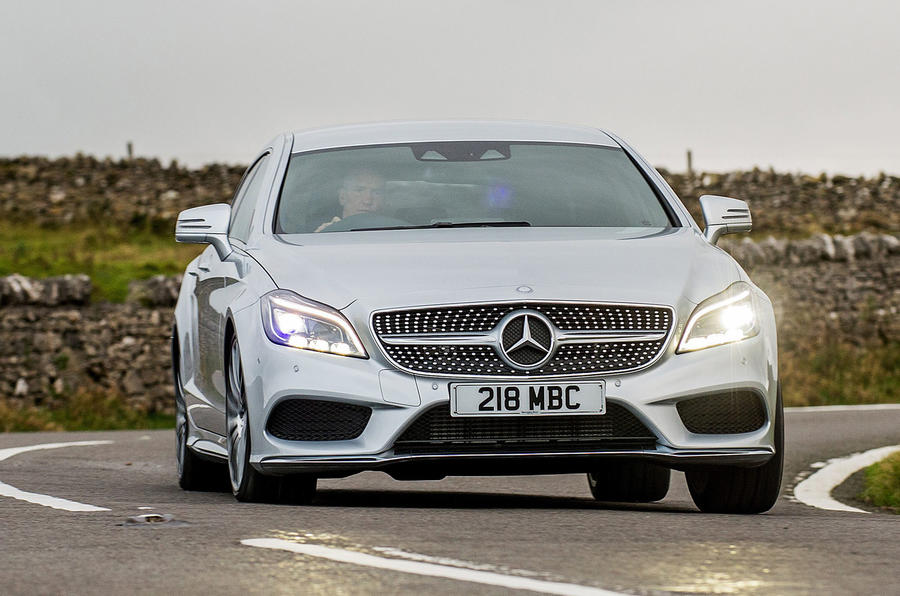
453, 224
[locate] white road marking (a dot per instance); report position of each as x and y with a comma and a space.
815, 491
429, 569
857, 408
46, 500
402, 554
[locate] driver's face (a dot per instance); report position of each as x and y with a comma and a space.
361, 193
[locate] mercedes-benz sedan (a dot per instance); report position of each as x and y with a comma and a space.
464, 298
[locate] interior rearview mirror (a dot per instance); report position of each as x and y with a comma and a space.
206, 225
724, 215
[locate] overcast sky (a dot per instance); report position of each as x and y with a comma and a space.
809, 86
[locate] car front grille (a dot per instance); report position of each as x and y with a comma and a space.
317, 420
726, 413
412, 338
484, 317
436, 431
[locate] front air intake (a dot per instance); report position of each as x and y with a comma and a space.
317, 420
731, 412
436, 431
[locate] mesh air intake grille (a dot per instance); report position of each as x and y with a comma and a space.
317, 420
726, 413
437, 431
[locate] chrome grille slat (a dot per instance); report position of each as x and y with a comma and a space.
462, 340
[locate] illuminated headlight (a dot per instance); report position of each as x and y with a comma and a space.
293, 321
722, 319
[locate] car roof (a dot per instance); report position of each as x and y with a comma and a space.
381, 133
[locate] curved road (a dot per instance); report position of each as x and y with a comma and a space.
544, 530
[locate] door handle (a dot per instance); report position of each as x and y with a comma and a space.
202, 266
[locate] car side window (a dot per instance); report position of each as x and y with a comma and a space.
245, 200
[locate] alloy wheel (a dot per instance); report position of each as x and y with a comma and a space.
236, 418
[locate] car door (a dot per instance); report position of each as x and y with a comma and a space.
220, 276
204, 413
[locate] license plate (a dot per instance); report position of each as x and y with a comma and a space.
508, 399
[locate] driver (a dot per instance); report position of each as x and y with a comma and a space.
361, 192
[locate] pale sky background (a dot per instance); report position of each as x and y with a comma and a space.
801, 86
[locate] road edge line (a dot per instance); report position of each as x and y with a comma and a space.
815, 491
7, 490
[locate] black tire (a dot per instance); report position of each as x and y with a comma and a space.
256, 487
629, 482
742, 490
194, 472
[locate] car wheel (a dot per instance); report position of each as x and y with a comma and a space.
247, 484
629, 482
742, 490
194, 473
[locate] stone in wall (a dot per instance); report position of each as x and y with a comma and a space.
51, 291
159, 290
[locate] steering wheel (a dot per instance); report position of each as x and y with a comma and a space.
364, 220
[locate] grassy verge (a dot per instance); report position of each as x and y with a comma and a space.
112, 257
883, 483
836, 372
82, 412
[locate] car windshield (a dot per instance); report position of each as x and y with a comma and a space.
465, 184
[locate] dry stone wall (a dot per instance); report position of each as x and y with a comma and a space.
56, 343
146, 192
787, 204
125, 193
49, 353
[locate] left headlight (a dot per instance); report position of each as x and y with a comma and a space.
293, 321
725, 318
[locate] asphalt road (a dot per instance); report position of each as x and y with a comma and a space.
545, 528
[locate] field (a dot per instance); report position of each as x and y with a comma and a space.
111, 256
883, 483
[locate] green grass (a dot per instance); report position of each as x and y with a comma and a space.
837, 372
112, 257
883, 483
82, 412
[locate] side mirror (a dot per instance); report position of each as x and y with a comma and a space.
206, 225
724, 215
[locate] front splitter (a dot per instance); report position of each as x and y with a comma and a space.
510, 463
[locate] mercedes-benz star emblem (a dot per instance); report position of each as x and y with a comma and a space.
526, 339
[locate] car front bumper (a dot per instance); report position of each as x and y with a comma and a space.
275, 373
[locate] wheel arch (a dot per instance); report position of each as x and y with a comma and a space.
184, 325
229, 334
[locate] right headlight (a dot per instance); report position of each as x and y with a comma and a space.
725, 318
291, 320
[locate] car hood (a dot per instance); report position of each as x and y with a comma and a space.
398, 268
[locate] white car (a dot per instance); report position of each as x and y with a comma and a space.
467, 298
